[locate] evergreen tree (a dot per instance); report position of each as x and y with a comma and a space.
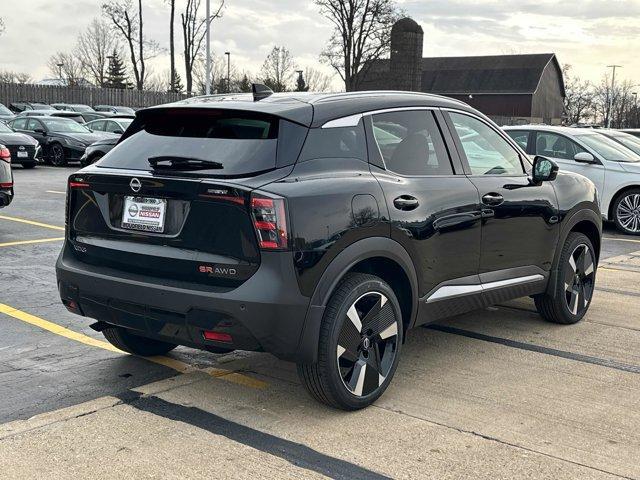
116, 73
301, 85
177, 84
244, 85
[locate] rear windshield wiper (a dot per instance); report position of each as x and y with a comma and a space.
183, 163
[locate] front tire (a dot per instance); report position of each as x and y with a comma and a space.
58, 157
135, 344
575, 284
626, 212
359, 344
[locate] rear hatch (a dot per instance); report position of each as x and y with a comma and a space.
173, 200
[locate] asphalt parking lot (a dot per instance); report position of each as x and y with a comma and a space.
496, 393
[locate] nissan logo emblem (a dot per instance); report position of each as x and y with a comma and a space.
135, 185
21, 147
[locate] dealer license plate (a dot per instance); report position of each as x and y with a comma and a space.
23, 154
144, 214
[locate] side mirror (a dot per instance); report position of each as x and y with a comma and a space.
584, 157
40, 131
544, 170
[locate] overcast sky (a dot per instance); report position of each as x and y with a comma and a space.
589, 34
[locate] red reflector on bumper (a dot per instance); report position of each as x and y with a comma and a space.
217, 336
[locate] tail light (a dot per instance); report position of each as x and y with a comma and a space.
5, 154
270, 220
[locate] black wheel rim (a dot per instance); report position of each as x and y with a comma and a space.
628, 213
579, 279
367, 344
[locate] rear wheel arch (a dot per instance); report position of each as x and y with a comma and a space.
623, 190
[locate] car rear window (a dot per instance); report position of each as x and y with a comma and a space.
243, 142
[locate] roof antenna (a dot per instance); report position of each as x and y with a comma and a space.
260, 91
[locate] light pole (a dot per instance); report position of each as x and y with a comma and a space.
207, 82
228, 54
60, 65
613, 86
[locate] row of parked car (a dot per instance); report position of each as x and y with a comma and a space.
61, 133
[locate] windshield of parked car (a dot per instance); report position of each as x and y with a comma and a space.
629, 141
608, 149
4, 110
5, 128
126, 110
41, 106
64, 125
82, 108
125, 123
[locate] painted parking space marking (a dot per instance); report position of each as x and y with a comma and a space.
173, 363
30, 242
56, 191
618, 239
31, 222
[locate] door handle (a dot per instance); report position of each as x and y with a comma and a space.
406, 202
492, 199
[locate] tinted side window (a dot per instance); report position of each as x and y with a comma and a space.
20, 124
556, 146
113, 127
341, 142
486, 151
32, 124
520, 137
97, 126
410, 143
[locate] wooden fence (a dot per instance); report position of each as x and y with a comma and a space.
14, 92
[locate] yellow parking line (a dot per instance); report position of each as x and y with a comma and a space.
29, 242
622, 239
56, 191
31, 222
173, 363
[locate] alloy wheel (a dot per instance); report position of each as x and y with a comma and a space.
628, 212
579, 279
58, 155
367, 344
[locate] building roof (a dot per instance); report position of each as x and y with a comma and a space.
497, 74
406, 25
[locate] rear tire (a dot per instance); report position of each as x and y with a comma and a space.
134, 344
575, 284
626, 212
359, 344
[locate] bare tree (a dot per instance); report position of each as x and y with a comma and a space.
95, 45
7, 76
278, 69
317, 80
579, 97
66, 67
193, 34
218, 74
361, 35
129, 24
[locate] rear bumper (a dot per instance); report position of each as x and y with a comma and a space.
266, 313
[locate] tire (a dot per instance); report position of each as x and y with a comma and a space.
57, 156
626, 212
91, 161
134, 344
355, 366
28, 165
575, 284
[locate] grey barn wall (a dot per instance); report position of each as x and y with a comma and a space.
547, 102
13, 92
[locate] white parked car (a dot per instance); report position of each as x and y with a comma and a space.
613, 167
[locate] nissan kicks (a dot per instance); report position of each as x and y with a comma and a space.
320, 228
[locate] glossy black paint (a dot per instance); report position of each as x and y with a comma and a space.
342, 214
19, 142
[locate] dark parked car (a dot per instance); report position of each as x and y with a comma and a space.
18, 107
24, 149
6, 177
114, 109
97, 150
62, 140
319, 228
72, 107
6, 114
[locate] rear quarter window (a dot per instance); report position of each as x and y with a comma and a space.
340, 142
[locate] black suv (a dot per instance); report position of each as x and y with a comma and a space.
319, 228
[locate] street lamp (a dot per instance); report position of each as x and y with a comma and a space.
613, 86
228, 54
60, 65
